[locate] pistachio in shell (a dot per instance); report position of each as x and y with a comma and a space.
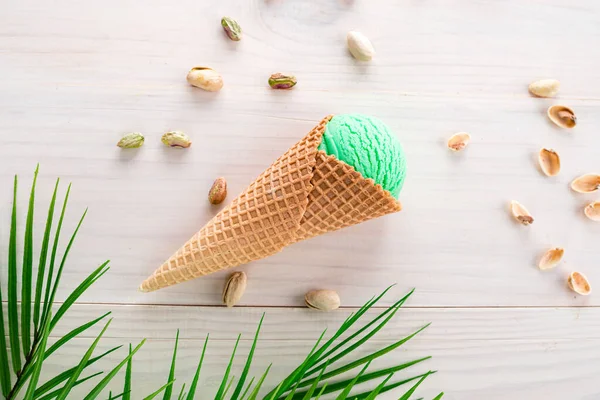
562, 116
322, 300
205, 78
544, 88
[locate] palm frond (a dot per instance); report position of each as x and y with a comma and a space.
127, 385
5, 380
27, 272
54, 393
194, 384
102, 384
221, 392
29, 395
28, 336
242, 380
13, 314
159, 391
39, 283
63, 376
169, 389
86, 357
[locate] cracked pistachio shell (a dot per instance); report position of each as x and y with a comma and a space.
587, 183
551, 258
579, 283
549, 162
205, 78
322, 300
544, 88
520, 213
459, 141
592, 211
562, 116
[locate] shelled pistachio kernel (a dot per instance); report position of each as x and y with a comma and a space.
131, 140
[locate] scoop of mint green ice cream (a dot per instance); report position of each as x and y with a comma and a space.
368, 145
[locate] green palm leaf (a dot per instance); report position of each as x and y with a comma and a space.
48, 291
407, 395
159, 391
13, 315
61, 267
4, 364
344, 394
27, 272
376, 391
86, 357
220, 393
39, 283
169, 389
63, 376
259, 384
79, 290
194, 384
56, 392
29, 395
127, 386
242, 380
102, 384
181, 392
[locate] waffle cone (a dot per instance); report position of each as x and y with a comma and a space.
304, 193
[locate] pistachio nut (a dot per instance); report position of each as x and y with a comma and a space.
132, 140
322, 300
544, 88
231, 28
218, 191
281, 81
234, 288
205, 78
360, 46
176, 139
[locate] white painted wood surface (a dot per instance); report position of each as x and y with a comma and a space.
75, 76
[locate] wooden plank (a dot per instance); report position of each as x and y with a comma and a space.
455, 240
480, 353
76, 76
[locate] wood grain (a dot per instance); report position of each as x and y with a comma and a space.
75, 76
490, 353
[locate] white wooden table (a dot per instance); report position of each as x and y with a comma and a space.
76, 75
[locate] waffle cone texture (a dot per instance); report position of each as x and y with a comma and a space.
304, 193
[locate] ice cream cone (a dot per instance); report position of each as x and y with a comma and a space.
303, 194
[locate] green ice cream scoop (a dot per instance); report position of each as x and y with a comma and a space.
368, 145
